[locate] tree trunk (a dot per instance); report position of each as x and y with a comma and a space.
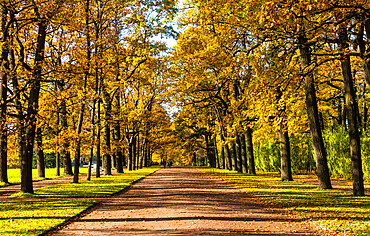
244, 154
20, 123
65, 154
146, 158
252, 167
98, 155
223, 158
92, 141
363, 52
129, 157
124, 159
138, 152
216, 153
143, 153
210, 151
353, 117
117, 137
234, 156
365, 117
107, 161
313, 117
134, 154
78, 143
57, 164
228, 157
239, 153
226, 151
3, 96
40, 158
286, 169
33, 104
83, 100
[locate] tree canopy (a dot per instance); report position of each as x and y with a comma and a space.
255, 85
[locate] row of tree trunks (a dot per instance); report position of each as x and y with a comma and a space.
241, 156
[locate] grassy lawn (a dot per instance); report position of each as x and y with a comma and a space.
101, 187
334, 210
14, 175
34, 217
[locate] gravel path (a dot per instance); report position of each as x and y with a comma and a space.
184, 201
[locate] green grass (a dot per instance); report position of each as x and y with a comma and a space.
98, 187
37, 217
26, 217
14, 175
335, 210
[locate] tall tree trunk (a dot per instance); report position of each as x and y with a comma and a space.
3, 95
124, 159
134, 153
365, 51
20, 123
65, 154
223, 165
83, 100
252, 167
353, 117
40, 158
228, 157
57, 164
92, 141
117, 137
210, 151
194, 159
57, 156
313, 116
244, 154
239, 152
143, 153
33, 104
107, 161
217, 159
78, 143
235, 157
98, 131
365, 116
146, 157
130, 155
344, 114
138, 152
226, 152
286, 169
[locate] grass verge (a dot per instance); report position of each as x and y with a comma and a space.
14, 175
331, 210
35, 217
98, 187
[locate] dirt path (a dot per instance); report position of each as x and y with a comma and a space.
184, 201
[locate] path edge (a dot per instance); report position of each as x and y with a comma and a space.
92, 208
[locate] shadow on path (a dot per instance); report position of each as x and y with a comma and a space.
185, 201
